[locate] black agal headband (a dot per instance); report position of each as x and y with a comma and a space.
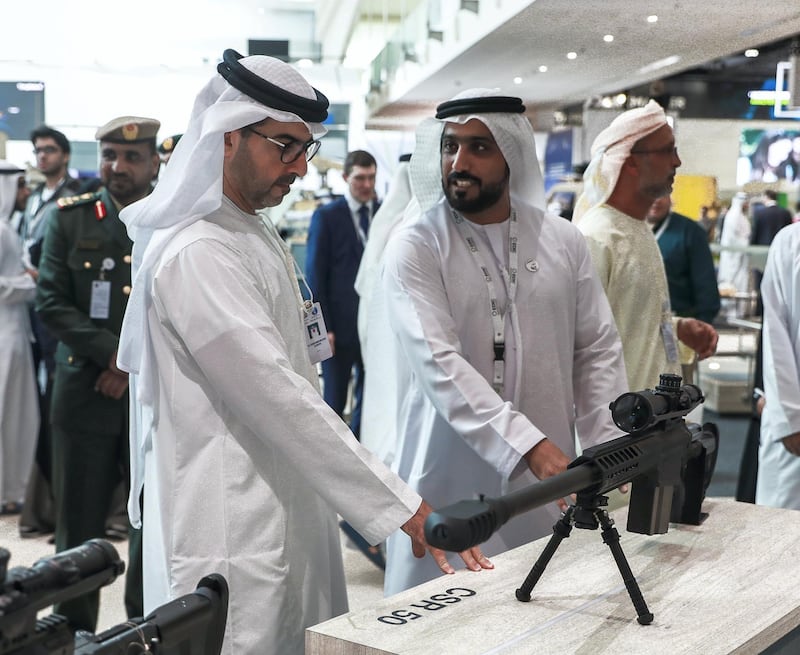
239, 77
484, 105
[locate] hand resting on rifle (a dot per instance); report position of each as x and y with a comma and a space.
546, 459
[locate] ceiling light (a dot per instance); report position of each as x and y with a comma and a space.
542, 69
517, 80
620, 99
606, 102
608, 38
304, 63
751, 52
572, 55
652, 18
661, 63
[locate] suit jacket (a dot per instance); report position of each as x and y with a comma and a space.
767, 222
78, 245
333, 254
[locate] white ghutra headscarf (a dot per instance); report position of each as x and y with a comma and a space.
610, 149
513, 134
9, 174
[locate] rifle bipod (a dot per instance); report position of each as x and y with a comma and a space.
589, 514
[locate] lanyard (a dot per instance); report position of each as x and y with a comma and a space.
292, 269
662, 227
509, 277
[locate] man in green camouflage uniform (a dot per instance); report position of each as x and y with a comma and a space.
84, 283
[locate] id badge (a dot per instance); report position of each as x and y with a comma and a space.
319, 348
101, 299
668, 335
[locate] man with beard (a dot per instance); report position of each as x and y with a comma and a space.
501, 325
84, 283
634, 161
245, 464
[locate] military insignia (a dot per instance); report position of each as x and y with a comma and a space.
100, 210
130, 132
168, 143
73, 201
532, 265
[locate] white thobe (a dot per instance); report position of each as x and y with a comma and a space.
626, 255
248, 466
734, 266
778, 470
19, 402
382, 386
457, 437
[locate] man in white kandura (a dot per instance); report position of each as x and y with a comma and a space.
778, 483
244, 466
501, 321
381, 387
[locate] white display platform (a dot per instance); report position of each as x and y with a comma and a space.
731, 585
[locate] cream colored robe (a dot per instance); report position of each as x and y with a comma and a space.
627, 259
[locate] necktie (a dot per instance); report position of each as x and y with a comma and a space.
363, 219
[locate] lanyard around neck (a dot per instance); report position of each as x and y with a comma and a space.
662, 227
509, 276
289, 262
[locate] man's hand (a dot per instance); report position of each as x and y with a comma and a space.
760, 403
415, 528
112, 382
699, 336
792, 443
34, 273
545, 460
112, 365
112, 385
331, 340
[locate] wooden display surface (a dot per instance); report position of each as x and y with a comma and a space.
731, 585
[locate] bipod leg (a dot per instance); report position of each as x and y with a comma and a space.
561, 530
611, 539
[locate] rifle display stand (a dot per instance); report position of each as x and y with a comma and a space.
588, 513
720, 588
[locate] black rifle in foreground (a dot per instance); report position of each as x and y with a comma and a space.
192, 624
668, 463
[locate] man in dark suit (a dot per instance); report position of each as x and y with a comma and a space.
52, 150
84, 283
336, 241
768, 220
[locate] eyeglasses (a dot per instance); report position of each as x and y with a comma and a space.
667, 151
47, 150
291, 151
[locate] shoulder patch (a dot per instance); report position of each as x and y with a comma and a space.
76, 201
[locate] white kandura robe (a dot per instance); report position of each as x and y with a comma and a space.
778, 470
734, 265
248, 465
626, 255
19, 402
457, 437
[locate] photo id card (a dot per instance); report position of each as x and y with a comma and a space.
101, 299
319, 348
